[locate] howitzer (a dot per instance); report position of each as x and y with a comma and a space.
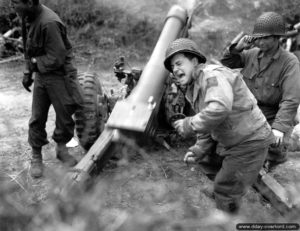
136, 116
131, 76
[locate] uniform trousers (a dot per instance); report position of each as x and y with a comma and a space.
234, 171
50, 89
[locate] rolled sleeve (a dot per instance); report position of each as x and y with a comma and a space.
204, 145
232, 58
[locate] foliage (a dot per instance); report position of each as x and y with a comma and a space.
108, 27
6, 16
101, 25
74, 12
288, 8
219, 21
136, 192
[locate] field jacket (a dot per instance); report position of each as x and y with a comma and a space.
225, 107
48, 43
276, 87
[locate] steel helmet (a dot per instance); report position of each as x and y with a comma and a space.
269, 23
182, 45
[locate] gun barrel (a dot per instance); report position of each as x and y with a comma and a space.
135, 112
154, 74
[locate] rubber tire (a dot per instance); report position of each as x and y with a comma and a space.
90, 120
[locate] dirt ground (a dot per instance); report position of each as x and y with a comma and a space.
151, 184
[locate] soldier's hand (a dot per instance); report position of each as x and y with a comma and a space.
27, 80
245, 43
278, 137
178, 125
31, 66
189, 158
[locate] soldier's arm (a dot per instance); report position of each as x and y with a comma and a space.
290, 97
218, 101
232, 57
54, 47
203, 146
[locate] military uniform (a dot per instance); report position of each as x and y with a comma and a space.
273, 76
276, 86
226, 113
55, 80
235, 121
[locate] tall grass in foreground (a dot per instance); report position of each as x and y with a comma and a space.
138, 191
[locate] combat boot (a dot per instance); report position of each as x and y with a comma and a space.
63, 155
36, 164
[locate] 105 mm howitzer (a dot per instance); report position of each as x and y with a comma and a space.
136, 116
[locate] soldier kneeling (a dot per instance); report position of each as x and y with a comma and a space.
227, 113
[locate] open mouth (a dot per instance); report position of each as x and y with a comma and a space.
180, 76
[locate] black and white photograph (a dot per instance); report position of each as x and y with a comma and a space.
158, 115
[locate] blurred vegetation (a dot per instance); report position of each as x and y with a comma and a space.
138, 192
106, 27
6, 16
111, 27
99, 27
219, 21
110, 30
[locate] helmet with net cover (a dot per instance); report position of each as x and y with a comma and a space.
269, 23
182, 45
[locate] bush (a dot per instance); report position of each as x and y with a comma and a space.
73, 12
6, 16
105, 26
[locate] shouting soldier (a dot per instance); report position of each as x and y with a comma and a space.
226, 112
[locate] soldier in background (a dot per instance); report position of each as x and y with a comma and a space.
226, 112
48, 54
293, 40
273, 76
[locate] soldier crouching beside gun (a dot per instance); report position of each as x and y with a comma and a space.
272, 75
227, 113
48, 54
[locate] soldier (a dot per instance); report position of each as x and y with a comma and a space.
226, 112
273, 76
48, 55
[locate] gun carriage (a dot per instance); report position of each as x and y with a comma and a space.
105, 124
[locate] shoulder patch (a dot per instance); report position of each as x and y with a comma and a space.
212, 82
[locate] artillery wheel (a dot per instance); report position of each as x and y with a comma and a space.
90, 120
